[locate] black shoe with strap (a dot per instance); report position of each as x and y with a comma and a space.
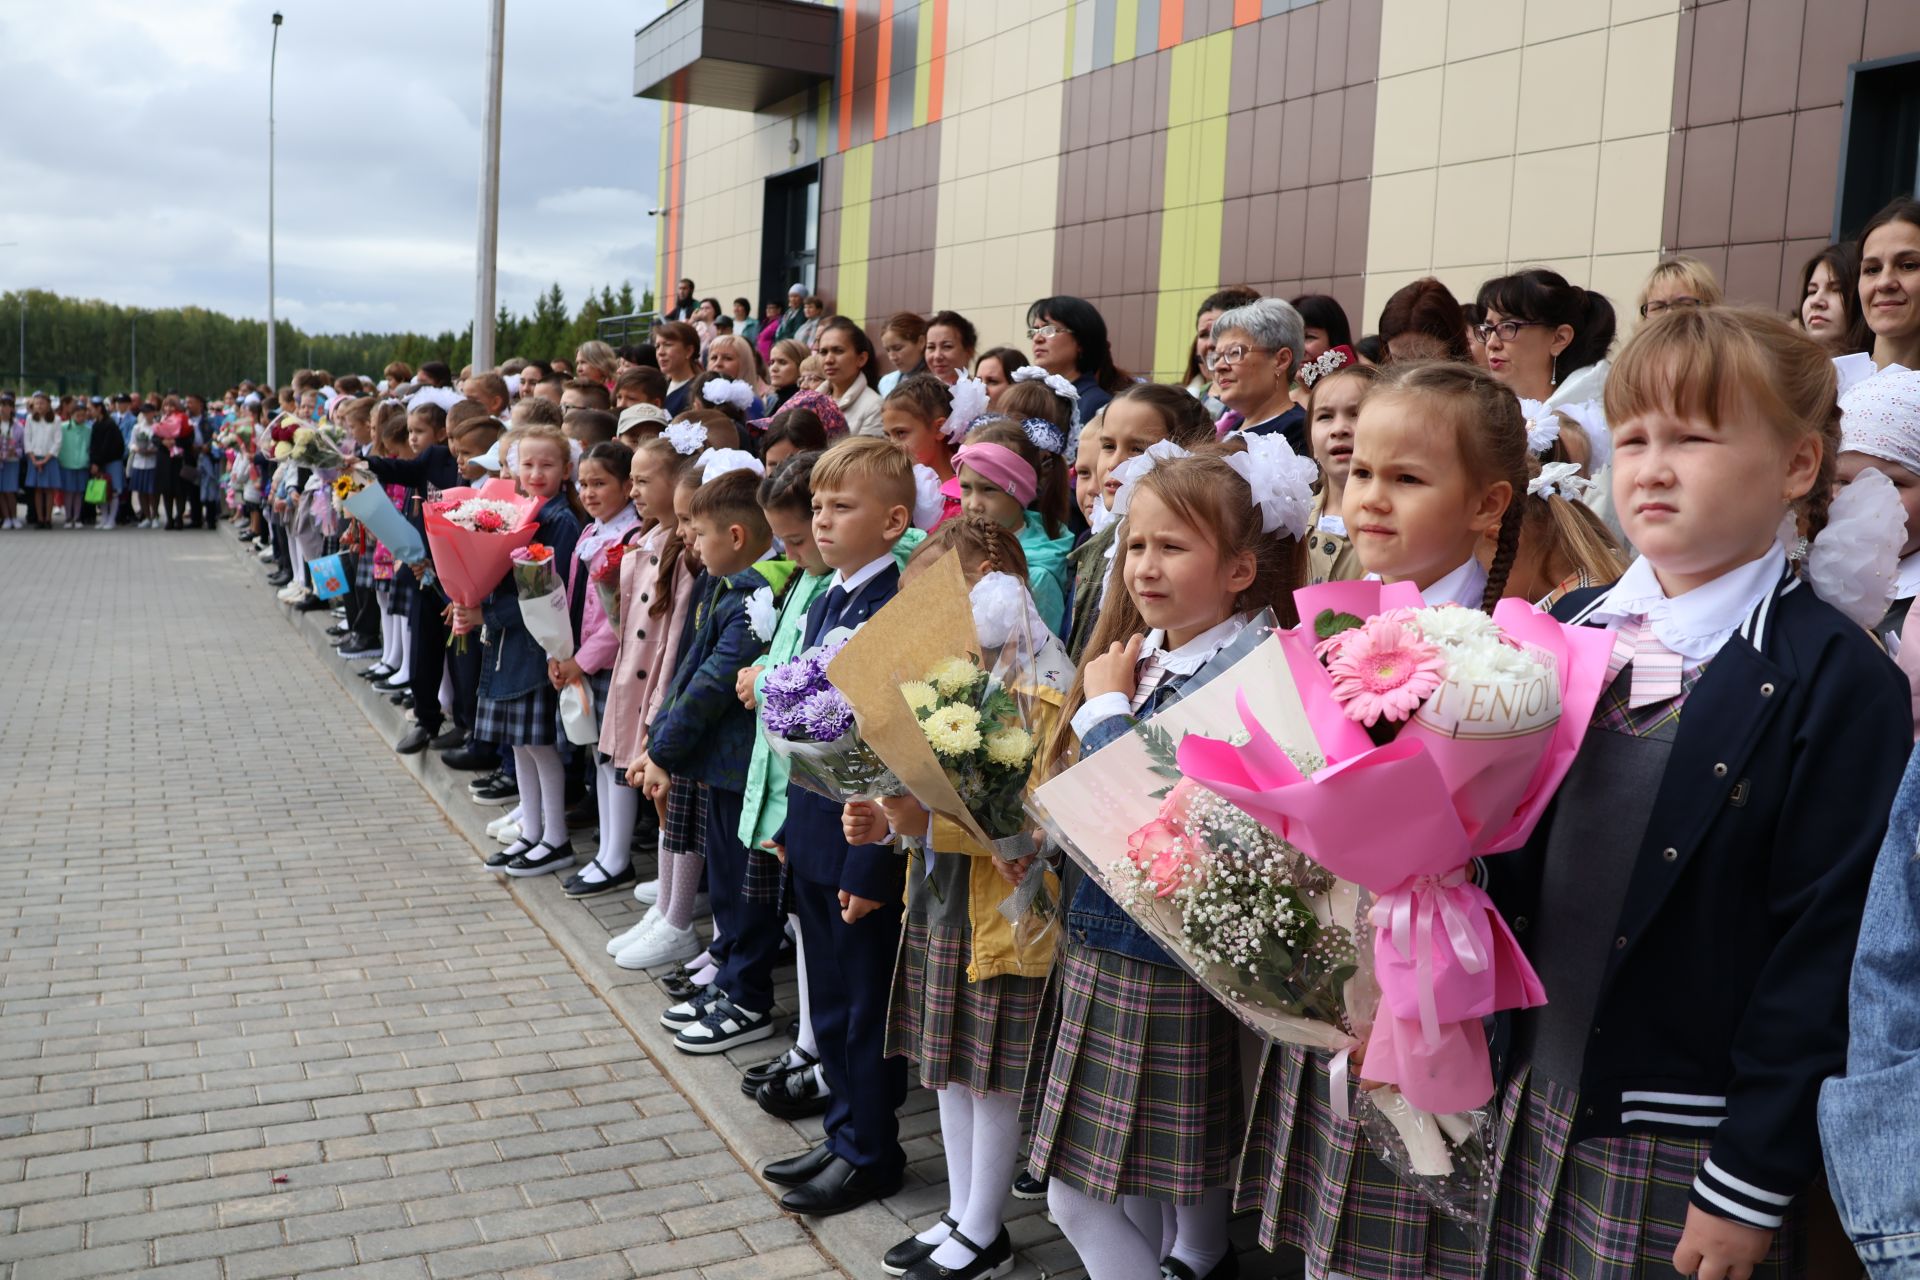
911, 1250
796, 1095
579, 886
1228, 1268
773, 1068
988, 1260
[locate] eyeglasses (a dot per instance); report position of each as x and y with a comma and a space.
1507, 329
1655, 307
1044, 331
1230, 356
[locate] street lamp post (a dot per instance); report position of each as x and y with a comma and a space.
272, 61
487, 250
133, 354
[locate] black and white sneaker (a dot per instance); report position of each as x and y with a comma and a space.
544, 858
519, 848
595, 879
498, 790
689, 1011
1028, 1187
723, 1025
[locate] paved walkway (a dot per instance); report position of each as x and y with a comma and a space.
258, 1016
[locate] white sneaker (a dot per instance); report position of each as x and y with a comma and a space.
265, 557
647, 892
508, 833
664, 945
499, 824
620, 942
290, 593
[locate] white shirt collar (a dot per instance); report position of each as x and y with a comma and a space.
1466, 586
1694, 624
1195, 653
852, 582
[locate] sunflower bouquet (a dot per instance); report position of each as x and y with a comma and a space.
982, 735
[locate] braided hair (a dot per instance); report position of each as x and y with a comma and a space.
979, 540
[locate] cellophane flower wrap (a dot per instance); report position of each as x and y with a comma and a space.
606, 583
545, 615
809, 724
1445, 734
472, 535
323, 448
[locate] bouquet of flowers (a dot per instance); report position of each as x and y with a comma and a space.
543, 611
809, 724
471, 534
372, 505
320, 447
606, 583
980, 733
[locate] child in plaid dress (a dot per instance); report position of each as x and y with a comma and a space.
1692, 901
1138, 1115
518, 707
966, 991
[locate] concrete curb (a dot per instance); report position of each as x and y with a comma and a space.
854, 1241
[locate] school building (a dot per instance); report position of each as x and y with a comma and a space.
978, 154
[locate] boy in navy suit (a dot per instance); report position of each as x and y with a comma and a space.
849, 898
703, 732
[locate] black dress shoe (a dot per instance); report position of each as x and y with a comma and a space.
414, 743
404, 698
1228, 1268
310, 604
468, 760
339, 629
911, 1250
448, 739
378, 671
796, 1095
773, 1068
499, 861
839, 1187
279, 579
988, 1260
391, 685
797, 1171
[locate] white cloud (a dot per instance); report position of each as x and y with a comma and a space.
140, 173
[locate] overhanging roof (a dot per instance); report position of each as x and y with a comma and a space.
740, 55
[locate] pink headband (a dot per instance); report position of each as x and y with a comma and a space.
1002, 466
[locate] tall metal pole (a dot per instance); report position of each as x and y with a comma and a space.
133, 353
489, 242
272, 62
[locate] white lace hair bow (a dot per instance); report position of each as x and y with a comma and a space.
1855, 561
1055, 383
928, 501
1281, 481
686, 437
1543, 425
715, 463
1563, 478
1880, 417
969, 403
728, 391
1128, 472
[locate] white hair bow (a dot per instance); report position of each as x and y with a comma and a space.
1281, 481
686, 437
1055, 383
929, 503
1563, 478
728, 391
715, 463
969, 403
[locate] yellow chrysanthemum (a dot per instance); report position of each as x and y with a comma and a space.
953, 676
953, 731
1010, 747
920, 696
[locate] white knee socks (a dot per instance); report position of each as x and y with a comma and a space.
956, 1135
996, 1153
543, 795
1110, 1245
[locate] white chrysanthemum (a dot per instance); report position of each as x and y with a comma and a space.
761, 614
953, 730
920, 696
953, 676
1454, 624
1481, 661
1010, 747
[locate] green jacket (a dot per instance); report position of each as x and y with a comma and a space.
764, 809
1047, 570
76, 440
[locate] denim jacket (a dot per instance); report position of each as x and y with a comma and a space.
1869, 1127
1094, 919
513, 664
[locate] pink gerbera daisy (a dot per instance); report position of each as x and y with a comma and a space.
1384, 670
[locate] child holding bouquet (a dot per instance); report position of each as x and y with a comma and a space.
605, 478
1009, 478
1695, 847
1138, 1106
966, 993
518, 707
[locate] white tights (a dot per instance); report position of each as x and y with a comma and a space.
543, 795
1128, 1238
619, 808
981, 1132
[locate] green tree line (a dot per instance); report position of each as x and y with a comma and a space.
87, 346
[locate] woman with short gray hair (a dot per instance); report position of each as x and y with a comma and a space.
1256, 352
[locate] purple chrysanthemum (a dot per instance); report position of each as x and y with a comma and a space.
825, 716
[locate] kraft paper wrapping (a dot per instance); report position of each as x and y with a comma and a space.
930, 619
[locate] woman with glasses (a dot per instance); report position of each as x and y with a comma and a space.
1679, 281
1069, 338
1256, 352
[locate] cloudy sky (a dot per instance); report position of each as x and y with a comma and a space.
138, 173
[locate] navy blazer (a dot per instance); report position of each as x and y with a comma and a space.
513, 663
702, 731
1724, 1001
817, 849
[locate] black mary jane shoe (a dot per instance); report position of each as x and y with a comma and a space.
1228, 1268
988, 1261
378, 671
578, 886
911, 1250
499, 861
680, 985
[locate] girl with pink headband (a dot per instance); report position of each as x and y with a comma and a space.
1003, 475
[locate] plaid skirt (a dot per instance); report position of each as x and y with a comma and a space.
598, 682
402, 587
363, 570
1606, 1207
976, 1034
530, 720
1141, 1095
1318, 1187
685, 830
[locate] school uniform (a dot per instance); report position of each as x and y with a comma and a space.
1691, 902
517, 705
433, 468
1140, 1094
705, 736
41, 439
1290, 426
849, 966
13, 439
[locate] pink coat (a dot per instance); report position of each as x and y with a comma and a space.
648, 646
598, 644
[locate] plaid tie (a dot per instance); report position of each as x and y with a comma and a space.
1152, 672
1656, 668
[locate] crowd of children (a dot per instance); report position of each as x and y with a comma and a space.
1692, 901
